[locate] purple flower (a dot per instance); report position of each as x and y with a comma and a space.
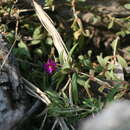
50, 66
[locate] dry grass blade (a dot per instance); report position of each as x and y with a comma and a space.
63, 124
48, 25
54, 125
36, 92
6, 57
43, 122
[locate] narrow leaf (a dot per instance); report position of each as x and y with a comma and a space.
74, 88
114, 45
101, 61
122, 61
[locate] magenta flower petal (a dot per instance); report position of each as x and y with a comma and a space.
50, 66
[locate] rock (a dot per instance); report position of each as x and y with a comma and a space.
13, 98
115, 116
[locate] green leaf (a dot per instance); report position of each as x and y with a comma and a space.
87, 85
49, 41
61, 78
112, 93
114, 45
110, 25
38, 51
98, 69
101, 61
122, 61
10, 37
23, 49
37, 36
58, 78
74, 88
89, 53
109, 75
121, 33
35, 42
87, 63
61, 58
65, 68
127, 6
36, 32
119, 95
101, 89
72, 50
81, 81
111, 66
49, 2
